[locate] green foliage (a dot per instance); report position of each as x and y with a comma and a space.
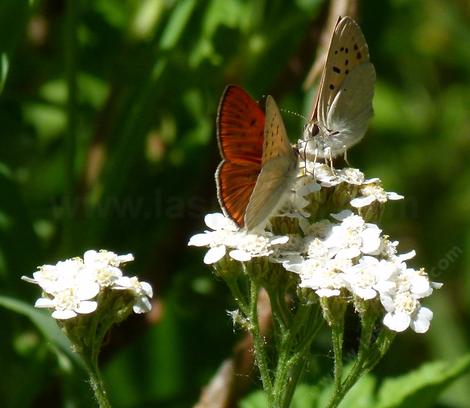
419, 388
137, 176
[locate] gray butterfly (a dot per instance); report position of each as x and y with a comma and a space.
343, 104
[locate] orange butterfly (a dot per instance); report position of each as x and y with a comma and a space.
258, 163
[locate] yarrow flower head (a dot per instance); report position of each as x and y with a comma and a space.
337, 255
351, 256
76, 286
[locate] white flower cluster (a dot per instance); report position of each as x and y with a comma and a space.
71, 286
352, 255
241, 245
344, 257
371, 189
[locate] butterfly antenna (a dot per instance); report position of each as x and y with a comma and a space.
294, 114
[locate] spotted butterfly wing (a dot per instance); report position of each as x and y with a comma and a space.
240, 133
279, 166
343, 105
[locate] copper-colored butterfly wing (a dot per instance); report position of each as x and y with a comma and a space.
240, 132
279, 166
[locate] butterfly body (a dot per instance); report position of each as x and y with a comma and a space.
258, 163
343, 105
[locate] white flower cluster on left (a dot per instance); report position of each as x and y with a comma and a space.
70, 287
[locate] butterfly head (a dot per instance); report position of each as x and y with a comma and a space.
316, 143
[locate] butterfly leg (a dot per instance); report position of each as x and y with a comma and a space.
329, 160
346, 156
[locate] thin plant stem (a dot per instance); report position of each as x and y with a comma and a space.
96, 381
297, 362
291, 358
278, 307
238, 296
337, 333
259, 343
358, 368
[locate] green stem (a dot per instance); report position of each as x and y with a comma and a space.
96, 381
259, 343
292, 352
358, 368
278, 307
337, 333
238, 296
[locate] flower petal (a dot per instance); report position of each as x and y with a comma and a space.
397, 321
214, 254
200, 240
240, 255
63, 314
86, 307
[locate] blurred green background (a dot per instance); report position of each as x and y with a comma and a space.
107, 121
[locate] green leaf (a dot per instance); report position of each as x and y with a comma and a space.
177, 24
46, 325
305, 396
256, 399
4, 65
361, 395
421, 387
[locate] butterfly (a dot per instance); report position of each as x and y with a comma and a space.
258, 163
343, 104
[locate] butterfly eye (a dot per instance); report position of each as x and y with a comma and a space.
311, 129
315, 130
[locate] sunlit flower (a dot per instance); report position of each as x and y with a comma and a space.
353, 236
71, 286
373, 192
72, 301
227, 237
105, 265
142, 292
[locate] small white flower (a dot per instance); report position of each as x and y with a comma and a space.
401, 302
141, 290
104, 265
353, 236
329, 178
352, 176
240, 244
370, 276
405, 311
55, 278
70, 302
421, 320
373, 192
325, 279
